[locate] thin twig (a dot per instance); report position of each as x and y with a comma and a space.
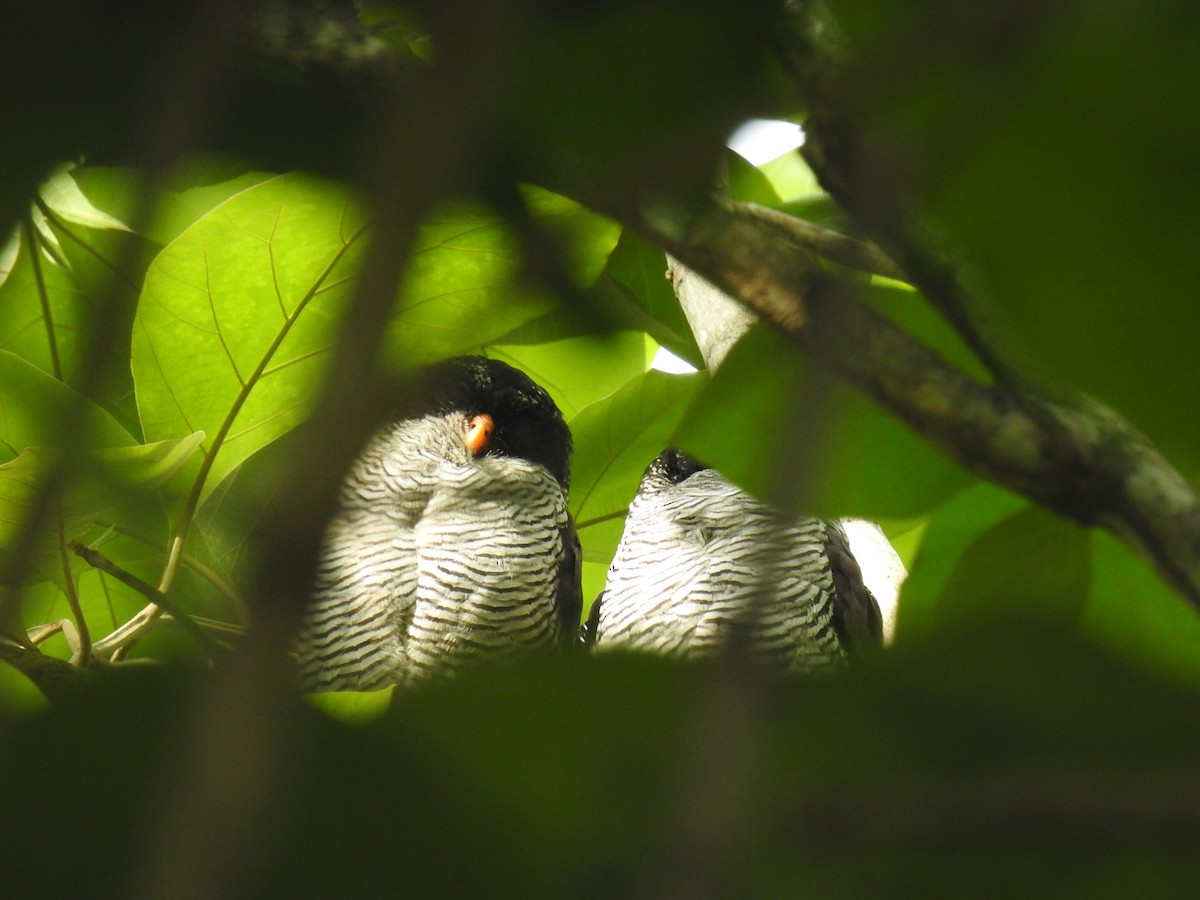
83, 652
827, 243
98, 560
222, 585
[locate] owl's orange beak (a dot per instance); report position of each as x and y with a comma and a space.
478, 438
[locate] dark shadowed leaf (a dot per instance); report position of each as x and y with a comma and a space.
656, 106
951, 528
637, 276
1133, 611
19, 696
1055, 146
1032, 565
783, 430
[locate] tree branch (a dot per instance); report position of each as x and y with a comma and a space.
1073, 455
827, 243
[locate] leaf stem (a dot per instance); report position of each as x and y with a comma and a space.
32, 245
222, 585
82, 654
98, 560
193, 499
599, 520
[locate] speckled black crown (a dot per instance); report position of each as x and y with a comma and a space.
674, 466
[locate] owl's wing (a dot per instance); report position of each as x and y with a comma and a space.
353, 632
587, 632
856, 615
569, 590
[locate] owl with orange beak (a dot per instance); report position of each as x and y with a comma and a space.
452, 541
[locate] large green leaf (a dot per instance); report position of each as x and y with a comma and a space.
73, 278
585, 238
49, 313
23, 325
461, 288
780, 427
191, 189
237, 313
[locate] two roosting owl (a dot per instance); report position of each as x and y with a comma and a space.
452, 543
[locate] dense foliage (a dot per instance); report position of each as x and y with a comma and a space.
205, 306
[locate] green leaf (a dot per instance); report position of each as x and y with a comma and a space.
109, 479
23, 329
1031, 566
578, 371
785, 431
237, 313
19, 696
1059, 171
63, 195
461, 288
1131, 610
146, 466
950, 530
88, 268
352, 707
790, 177
585, 238
619, 436
192, 189
748, 184
915, 315
637, 275
32, 407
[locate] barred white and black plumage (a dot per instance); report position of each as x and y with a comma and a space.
703, 565
452, 539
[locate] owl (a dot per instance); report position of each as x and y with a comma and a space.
452, 541
703, 567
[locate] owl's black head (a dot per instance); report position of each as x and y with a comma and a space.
674, 466
528, 424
